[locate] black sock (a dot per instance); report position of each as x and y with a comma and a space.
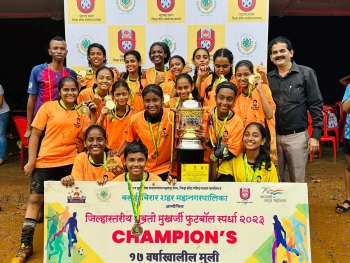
28, 231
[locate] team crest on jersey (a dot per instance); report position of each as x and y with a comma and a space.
246, 5
86, 6
165, 5
244, 193
126, 40
206, 38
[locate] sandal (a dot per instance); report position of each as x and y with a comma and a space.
340, 209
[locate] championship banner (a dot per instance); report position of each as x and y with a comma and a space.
122, 25
188, 222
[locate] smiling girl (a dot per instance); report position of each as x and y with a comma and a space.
159, 54
116, 121
153, 128
200, 59
256, 104
254, 164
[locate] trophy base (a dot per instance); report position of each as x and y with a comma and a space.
189, 145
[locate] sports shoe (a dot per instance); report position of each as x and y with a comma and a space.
23, 253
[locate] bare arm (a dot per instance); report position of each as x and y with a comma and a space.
346, 105
122, 148
32, 151
1, 99
267, 109
344, 80
30, 113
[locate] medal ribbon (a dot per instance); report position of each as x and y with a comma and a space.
76, 108
155, 75
245, 170
155, 142
217, 135
177, 102
104, 161
136, 207
133, 90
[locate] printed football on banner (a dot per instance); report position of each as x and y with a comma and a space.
126, 40
165, 5
86, 6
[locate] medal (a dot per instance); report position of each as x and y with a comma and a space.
82, 73
251, 79
111, 163
109, 102
155, 141
84, 110
166, 98
136, 230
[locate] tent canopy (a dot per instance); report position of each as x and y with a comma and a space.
54, 8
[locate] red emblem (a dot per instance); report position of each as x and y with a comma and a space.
206, 38
126, 40
244, 193
246, 5
86, 6
165, 5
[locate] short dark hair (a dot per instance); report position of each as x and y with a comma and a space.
99, 46
136, 147
57, 38
63, 80
226, 85
280, 40
165, 48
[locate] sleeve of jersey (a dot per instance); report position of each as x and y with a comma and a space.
273, 177
132, 135
78, 170
41, 117
346, 94
73, 73
268, 95
33, 84
235, 140
226, 167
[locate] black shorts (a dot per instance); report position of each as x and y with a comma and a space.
346, 147
40, 175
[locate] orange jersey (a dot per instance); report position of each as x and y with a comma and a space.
151, 76
138, 130
232, 133
211, 94
88, 94
62, 129
117, 130
173, 103
251, 110
168, 87
135, 99
150, 178
83, 170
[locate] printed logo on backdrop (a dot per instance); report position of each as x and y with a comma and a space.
103, 194
246, 5
246, 45
126, 6
206, 7
170, 42
269, 195
244, 194
83, 44
206, 38
165, 5
126, 40
76, 196
86, 6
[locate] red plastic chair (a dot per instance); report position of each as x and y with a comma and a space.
21, 124
327, 138
325, 108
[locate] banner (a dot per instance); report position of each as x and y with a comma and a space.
188, 222
121, 25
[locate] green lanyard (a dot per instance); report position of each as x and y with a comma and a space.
245, 170
133, 90
155, 75
136, 207
218, 135
61, 102
104, 161
155, 141
177, 102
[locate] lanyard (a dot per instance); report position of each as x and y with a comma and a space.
177, 102
104, 161
155, 75
61, 102
155, 141
133, 90
215, 128
245, 170
136, 206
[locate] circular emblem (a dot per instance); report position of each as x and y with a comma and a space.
246, 5
83, 44
126, 6
170, 42
206, 7
86, 6
246, 44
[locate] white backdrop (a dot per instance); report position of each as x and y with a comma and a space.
239, 25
